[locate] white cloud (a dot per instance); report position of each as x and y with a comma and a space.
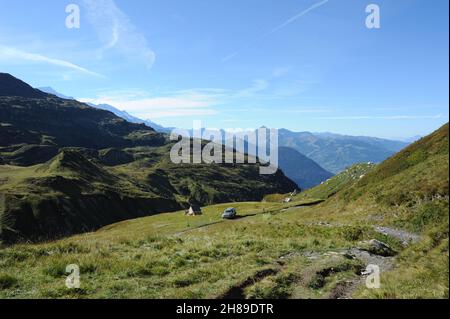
11, 53
177, 105
188, 102
117, 32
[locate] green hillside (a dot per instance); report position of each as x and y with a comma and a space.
66, 168
302, 249
58, 198
339, 182
408, 192
420, 171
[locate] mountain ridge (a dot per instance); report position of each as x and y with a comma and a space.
12, 86
67, 167
335, 152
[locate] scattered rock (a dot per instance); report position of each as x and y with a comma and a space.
289, 255
377, 247
404, 236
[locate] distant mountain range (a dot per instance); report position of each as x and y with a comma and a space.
302, 170
336, 152
50, 90
299, 168
322, 154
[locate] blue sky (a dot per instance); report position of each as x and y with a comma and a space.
305, 65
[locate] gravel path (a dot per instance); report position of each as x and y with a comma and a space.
405, 237
346, 289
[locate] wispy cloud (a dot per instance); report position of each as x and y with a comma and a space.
280, 71
257, 86
394, 117
117, 32
178, 104
276, 29
11, 53
190, 102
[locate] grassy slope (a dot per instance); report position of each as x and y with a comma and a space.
285, 250
57, 198
171, 255
336, 183
414, 196
408, 191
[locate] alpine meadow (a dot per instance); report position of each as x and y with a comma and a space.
320, 169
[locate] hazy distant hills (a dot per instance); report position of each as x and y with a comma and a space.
336, 152
325, 152
50, 90
302, 170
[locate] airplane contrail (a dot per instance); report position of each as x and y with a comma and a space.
278, 28
296, 17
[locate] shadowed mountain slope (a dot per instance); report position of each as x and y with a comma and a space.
11, 86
